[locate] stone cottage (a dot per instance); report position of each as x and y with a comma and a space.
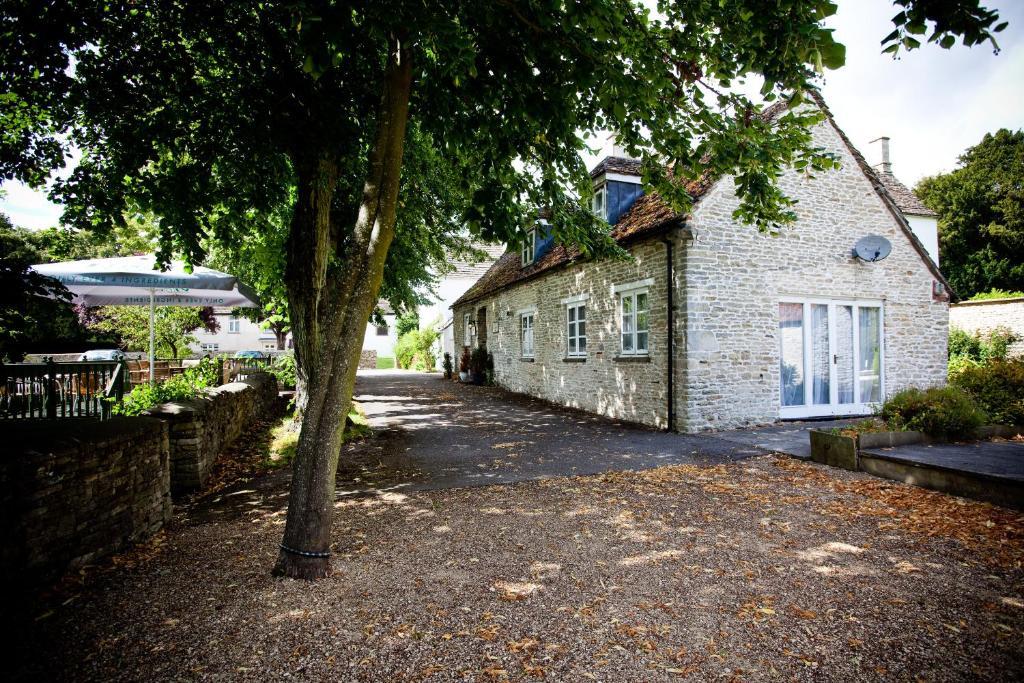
711, 324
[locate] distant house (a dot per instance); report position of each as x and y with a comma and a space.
236, 334
451, 287
380, 338
712, 325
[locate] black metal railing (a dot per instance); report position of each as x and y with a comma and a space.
52, 390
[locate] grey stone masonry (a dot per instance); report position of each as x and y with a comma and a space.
201, 428
604, 381
735, 278
728, 283
73, 491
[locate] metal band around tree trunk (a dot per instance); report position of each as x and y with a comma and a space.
305, 553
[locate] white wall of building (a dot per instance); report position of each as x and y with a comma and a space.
382, 340
927, 230
235, 334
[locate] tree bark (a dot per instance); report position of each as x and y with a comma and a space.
332, 289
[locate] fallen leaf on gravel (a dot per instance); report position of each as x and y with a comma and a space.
511, 592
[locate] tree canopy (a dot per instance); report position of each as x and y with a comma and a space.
981, 215
173, 327
210, 114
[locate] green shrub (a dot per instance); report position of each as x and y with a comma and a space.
996, 294
997, 387
941, 412
283, 368
978, 348
188, 384
415, 349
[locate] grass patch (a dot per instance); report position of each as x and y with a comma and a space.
385, 363
284, 438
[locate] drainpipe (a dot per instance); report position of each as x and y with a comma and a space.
670, 323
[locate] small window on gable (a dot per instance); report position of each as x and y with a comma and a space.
382, 330
234, 325
526, 334
529, 248
599, 204
634, 322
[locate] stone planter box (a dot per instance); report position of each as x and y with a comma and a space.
835, 450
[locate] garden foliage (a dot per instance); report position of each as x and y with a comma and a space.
189, 384
941, 412
415, 349
997, 387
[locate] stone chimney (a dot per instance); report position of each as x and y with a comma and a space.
880, 147
614, 148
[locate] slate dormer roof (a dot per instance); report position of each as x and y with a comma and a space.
903, 196
621, 165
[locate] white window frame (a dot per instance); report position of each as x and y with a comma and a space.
576, 305
527, 350
599, 202
529, 248
234, 325
209, 347
468, 329
632, 294
833, 407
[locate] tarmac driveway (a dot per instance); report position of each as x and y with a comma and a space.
441, 434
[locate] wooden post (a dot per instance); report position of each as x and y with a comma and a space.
49, 388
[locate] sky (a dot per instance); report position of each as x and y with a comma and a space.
932, 103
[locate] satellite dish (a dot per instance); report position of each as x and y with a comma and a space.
872, 248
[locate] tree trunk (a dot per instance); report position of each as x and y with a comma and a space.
332, 289
281, 337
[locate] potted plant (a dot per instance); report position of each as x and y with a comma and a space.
447, 365
464, 365
478, 366
489, 369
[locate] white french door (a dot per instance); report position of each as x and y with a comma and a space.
830, 357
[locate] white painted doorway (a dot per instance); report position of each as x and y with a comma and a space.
831, 357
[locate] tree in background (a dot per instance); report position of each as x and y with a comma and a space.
173, 327
30, 304
981, 215
198, 112
137, 235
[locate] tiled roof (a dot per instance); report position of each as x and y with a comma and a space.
650, 215
469, 269
903, 196
622, 165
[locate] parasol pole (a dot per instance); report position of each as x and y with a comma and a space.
152, 334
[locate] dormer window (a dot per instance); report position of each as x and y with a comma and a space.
529, 247
599, 204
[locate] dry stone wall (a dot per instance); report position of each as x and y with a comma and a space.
72, 491
201, 428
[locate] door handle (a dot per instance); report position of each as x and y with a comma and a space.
835, 359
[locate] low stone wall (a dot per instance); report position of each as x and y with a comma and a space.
72, 491
984, 316
368, 360
201, 428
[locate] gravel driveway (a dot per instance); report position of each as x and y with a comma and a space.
463, 435
767, 569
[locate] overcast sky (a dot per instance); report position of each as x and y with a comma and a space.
932, 103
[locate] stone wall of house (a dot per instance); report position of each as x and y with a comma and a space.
72, 491
201, 428
984, 316
604, 382
367, 360
735, 277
